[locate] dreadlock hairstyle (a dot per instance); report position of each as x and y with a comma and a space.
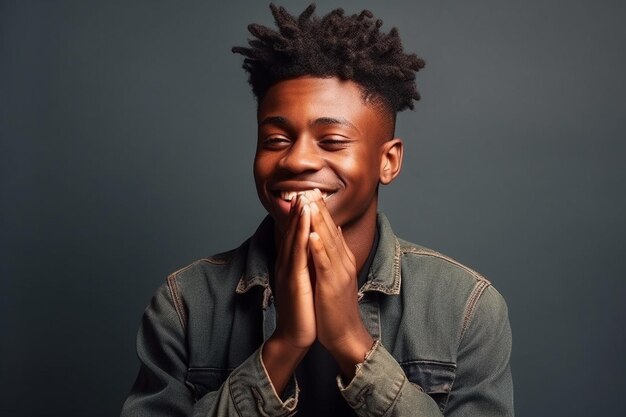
336, 45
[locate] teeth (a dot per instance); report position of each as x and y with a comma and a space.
290, 195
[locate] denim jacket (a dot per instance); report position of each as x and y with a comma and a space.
442, 334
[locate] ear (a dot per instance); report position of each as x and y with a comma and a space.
391, 160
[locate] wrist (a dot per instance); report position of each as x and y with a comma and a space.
282, 348
352, 352
280, 360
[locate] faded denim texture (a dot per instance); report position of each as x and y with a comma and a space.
443, 338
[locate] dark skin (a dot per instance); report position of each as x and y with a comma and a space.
322, 152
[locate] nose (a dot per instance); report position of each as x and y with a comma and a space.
302, 156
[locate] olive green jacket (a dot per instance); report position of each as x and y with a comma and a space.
443, 338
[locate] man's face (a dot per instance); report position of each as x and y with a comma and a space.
320, 133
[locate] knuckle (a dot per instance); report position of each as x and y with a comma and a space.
324, 265
320, 264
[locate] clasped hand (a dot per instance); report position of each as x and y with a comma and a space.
316, 291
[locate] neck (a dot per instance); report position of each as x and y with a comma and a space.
360, 236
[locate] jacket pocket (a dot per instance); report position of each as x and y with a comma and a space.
434, 378
203, 380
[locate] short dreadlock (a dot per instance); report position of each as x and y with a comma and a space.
348, 47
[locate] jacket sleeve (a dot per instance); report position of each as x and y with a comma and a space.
160, 388
482, 386
380, 388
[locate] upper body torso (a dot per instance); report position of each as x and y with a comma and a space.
441, 328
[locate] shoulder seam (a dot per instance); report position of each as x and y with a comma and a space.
172, 284
470, 308
183, 269
177, 300
221, 258
434, 254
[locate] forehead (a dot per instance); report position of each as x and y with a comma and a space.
308, 98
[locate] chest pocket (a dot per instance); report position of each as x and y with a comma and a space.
203, 380
434, 378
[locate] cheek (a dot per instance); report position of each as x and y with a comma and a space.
260, 173
261, 167
362, 170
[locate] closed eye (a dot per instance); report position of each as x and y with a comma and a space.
275, 142
335, 144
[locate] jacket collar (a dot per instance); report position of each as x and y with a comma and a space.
260, 246
383, 276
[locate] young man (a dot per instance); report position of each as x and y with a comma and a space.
324, 311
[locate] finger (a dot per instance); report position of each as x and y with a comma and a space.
287, 240
321, 261
324, 209
327, 234
345, 253
346, 248
301, 240
341, 253
330, 236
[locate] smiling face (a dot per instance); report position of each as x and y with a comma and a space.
321, 133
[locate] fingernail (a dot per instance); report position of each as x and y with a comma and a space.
314, 236
314, 208
305, 209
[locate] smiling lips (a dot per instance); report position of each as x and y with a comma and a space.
290, 195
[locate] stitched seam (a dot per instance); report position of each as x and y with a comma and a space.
380, 326
384, 288
246, 283
204, 368
221, 259
396, 267
451, 365
472, 301
216, 261
183, 269
232, 396
395, 400
178, 302
433, 254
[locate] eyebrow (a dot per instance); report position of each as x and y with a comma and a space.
321, 121
275, 120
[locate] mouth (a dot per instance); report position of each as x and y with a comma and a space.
290, 195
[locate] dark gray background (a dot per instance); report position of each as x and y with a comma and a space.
128, 133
